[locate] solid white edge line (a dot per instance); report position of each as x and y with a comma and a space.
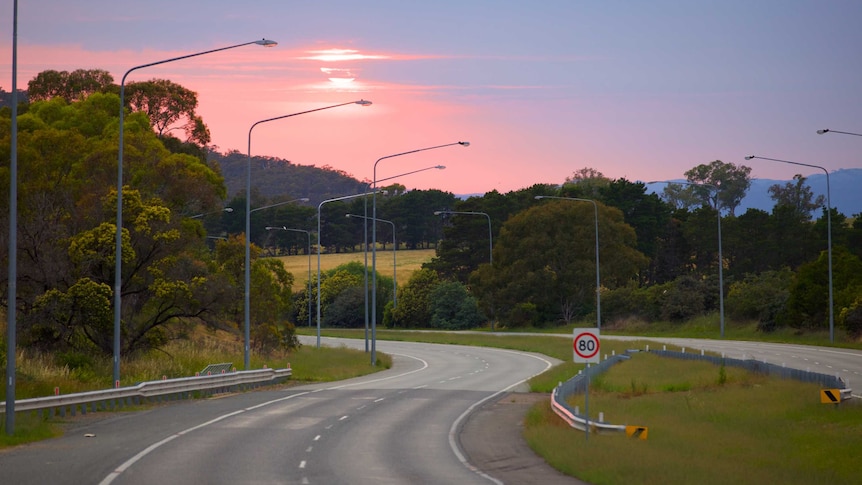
453, 431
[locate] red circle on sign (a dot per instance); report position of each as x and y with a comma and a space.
589, 336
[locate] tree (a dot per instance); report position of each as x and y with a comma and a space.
414, 300
545, 257
586, 183
74, 86
731, 181
452, 308
797, 195
165, 104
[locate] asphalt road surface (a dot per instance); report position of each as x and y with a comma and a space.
398, 426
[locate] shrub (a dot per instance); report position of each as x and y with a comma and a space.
452, 308
760, 297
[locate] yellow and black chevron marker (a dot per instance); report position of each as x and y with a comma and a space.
830, 396
639, 432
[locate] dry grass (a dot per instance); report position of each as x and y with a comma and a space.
407, 261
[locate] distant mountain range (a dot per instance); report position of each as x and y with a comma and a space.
845, 188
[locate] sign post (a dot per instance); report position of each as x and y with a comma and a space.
586, 346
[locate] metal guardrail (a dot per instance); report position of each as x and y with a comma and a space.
579, 384
177, 388
580, 381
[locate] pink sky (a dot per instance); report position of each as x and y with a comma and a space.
539, 93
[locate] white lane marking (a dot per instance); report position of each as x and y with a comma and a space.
146, 451
308, 450
317, 438
378, 400
302, 464
453, 431
343, 418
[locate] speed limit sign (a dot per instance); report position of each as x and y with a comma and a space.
586, 345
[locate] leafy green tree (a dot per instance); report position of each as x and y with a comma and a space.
452, 308
797, 195
71, 86
808, 304
166, 103
760, 297
414, 300
731, 180
545, 256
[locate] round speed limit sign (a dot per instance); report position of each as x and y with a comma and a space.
586, 345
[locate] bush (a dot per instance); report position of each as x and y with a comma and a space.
452, 308
682, 299
760, 297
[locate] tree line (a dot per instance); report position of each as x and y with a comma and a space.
183, 254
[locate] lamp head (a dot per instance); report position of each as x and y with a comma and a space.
437, 213
464, 143
749, 157
820, 132
363, 102
266, 43
228, 209
304, 199
539, 197
440, 167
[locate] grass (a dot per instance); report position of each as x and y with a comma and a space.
407, 261
750, 429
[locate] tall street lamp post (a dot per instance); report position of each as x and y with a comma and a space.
319, 206
11, 306
827, 130
308, 252
490, 236
374, 240
720, 259
247, 296
394, 260
118, 254
828, 233
598, 277
365, 239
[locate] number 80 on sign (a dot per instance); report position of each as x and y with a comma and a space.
586, 346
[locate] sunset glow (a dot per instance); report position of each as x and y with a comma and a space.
633, 93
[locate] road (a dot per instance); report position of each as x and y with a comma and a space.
397, 426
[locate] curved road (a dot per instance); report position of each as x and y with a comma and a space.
396, 426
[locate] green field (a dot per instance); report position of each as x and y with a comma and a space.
407, 261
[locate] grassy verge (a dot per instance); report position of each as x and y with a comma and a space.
749, 429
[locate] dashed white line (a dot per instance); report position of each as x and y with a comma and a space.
302, 464
317, 438
378, 400
343, 418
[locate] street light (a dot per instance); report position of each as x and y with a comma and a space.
490, 237
827, 130
720, 259
346, 197
365, 240
598, 278
198, 216
828, 233
247, 297
12, 307
308, 252
374, 241
118, 253
394, 260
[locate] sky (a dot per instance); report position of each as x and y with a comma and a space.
634, 89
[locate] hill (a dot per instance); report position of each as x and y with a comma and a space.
276, 178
